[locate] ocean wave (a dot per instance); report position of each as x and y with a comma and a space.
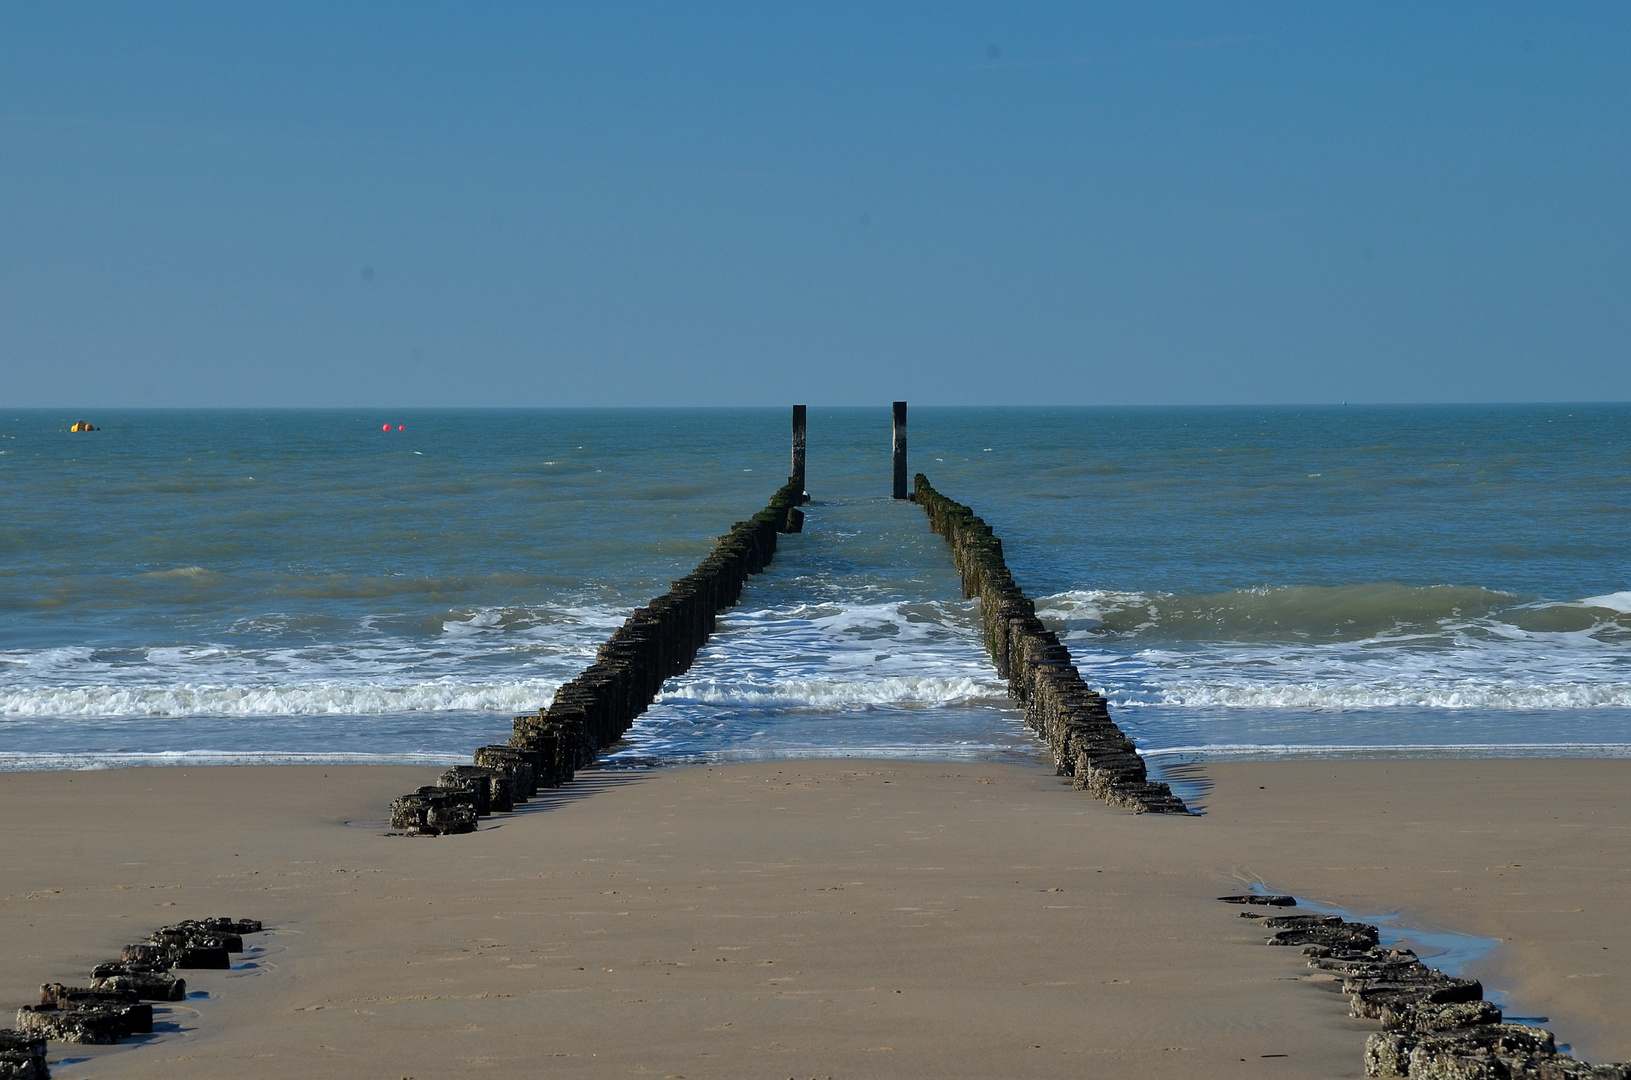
638, 757
183, 572
517, 696
94, 760
1244, 751
378, 659
837, 693
1463, 694
857, 617
534, 621
1380, 611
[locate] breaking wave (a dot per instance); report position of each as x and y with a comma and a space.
1334, 750
1350, 647
102, 760
1461, 695
1329, 613
923, 691
329, 699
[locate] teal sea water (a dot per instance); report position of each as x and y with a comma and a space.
278, 586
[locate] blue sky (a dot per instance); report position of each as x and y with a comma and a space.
491, 204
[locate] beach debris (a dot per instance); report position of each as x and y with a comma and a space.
1400, 1000
1324, 931
1495, 1051
1434, 1026
228, 926
1059, 706
194, 934
93, 1026
593, 710
192, 943
22, 1056
491, 789
58, 996
118, 1003
164, 955
434, 811
1261, 899
148, 982
1435, 1016
514, 764
136, 1016
146, 954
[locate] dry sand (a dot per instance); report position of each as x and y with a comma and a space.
799, 919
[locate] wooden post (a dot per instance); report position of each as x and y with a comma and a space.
798, 446
900, 449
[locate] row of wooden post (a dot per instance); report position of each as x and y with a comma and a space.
900, 490
596, 708
1042, 676
593, 710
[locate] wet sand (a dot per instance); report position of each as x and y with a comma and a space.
817, 918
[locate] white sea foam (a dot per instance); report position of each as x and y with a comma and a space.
1618, 601
563, 622
838, 693
1345, 648
1091, 605
1466, 694
841, 656
959, 751
183, 572
1297, 612
100, 760
475, 624
277, 664
517, 696
1422, 749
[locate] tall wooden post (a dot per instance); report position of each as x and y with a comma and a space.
798, 446
900, 449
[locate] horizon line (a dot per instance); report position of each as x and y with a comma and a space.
881, 404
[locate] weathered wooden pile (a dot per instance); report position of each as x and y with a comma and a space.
22, 1057
593, 711
1436, 1026
1063, 710
118, 1001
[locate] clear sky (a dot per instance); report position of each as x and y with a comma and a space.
608, 204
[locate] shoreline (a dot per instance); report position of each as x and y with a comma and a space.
853, 878
1159, 759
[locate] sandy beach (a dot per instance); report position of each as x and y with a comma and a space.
821, 918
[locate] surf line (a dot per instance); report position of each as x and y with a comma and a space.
594, 709
1059, 706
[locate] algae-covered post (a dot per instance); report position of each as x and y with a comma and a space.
900, 450
798, 447
595, 709
1041, 675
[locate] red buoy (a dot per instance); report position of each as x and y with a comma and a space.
399, 427
385, 427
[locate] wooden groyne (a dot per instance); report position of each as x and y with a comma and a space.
593, 710
1435, 1026
1073, 719
118, 1002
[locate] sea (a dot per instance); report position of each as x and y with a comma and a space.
394, 586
